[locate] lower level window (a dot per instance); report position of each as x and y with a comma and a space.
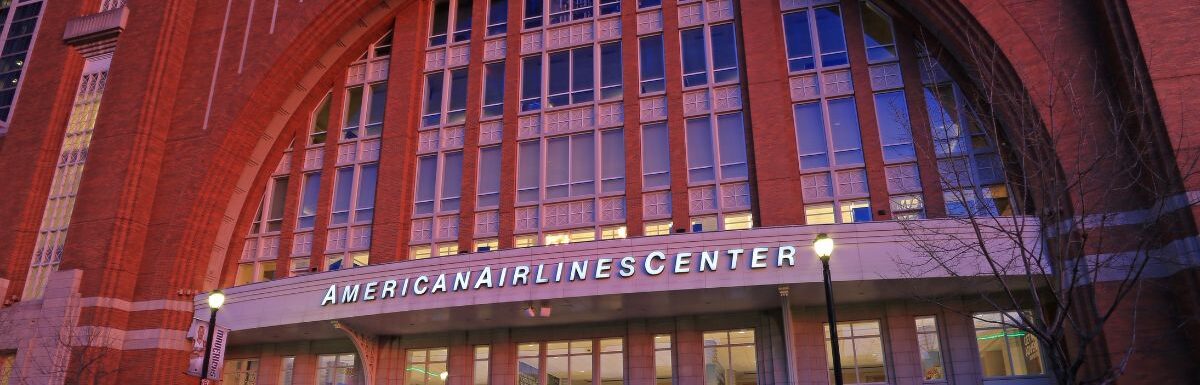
346, 261
589, 361
254, 272
239, 372
738, 221
730, 358
1005, 349
420, 252
287, 368
613, 232
426, 367
657, 228
930, 348
861, 350
487, 244
905, 207
526, 240
570, 236
335, 369
849, 211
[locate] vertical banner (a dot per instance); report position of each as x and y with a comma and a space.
198, 333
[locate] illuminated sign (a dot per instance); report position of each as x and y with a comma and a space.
655, 263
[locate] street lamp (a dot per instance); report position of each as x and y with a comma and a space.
823, 246
215, 300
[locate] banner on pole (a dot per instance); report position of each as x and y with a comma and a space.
198, 333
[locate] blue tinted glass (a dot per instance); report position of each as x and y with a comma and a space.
433, 95
799, 41
831, 37
652, 57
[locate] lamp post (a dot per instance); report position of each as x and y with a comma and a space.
823, 245
215, 300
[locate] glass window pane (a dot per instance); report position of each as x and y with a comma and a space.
366, 187
891, 111
489, 169
799, 41
877, 30
582, 70
458, 97
699, 150
354, 100
612, 160
583, 158
433, 99
452, 175
692, 50
610, 69
531, 83
493, 89
426, 179
843, 127
320, 121
441, 20
341, 195
652, 65
557, 160
810, 136
656, 160
724, 53
308, 200
560, 74
278, 199
528, 172
831, 36
462, 20
732, 143
497, 17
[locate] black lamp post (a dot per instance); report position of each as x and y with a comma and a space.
215, 300
823, 245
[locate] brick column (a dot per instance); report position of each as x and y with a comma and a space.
864, 102
470, 149
508, 141
631, 105
689, 352
677, 133
639, 353
918, 117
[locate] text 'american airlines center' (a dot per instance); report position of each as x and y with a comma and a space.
655, 263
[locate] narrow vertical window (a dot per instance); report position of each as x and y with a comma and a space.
426, 184
653, 69
433, 99
695, 66
877, 31
335, 369
533, 13
451, 180
843, 128
582, 75
426, 366
612, 160
583, 164
497, 17
462, 20
528, 171
610, 70
559, 84
456, 107
891, 111
482, 358
16, 48
441, 21
320, 122
528, 360
364, 205
700, 150
493, 89
664, 370
831, 37
378, 102
799, 41
354, 100
278, 200
531, 83
343, 185
612, 362
557, 162
724, 53
810, 136
489, 176
287, 369
308, 200
732, 143
656, 159
930, 348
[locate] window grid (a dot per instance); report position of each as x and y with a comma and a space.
930, 349
335, 369
585, 73
555, 12
862, 353
426, 366
20, 25
716, 68
64, 185
1005, 349
587, 361
450, 20
730, 357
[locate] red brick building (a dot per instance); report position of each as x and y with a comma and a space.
624, 191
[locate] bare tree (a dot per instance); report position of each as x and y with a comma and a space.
63, 351
1060, 203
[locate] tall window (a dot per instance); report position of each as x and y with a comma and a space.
426, 366
319, 128
1005, 348
531, 83
826, 24
651, 64
307, 215
354, 194
610, 70
571, 77
730, 358
60, 203
446, 13
529, 166
664, 370
970, 170
482, 363
891, 111
261, 247
861, 348
20, 24
335, 369
489, 177
493, 89
720, 55
429, 190
438, 102
710, 160
287, 370
240, 372
497, 17
656, 157
364, 122
877, 33
930, 348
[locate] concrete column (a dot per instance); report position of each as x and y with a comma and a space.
639, 354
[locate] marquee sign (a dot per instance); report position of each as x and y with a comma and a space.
653, 264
